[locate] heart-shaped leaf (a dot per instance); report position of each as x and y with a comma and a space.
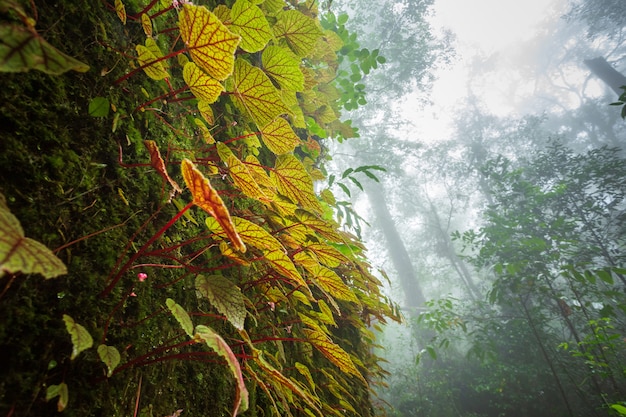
299, 31
205, 88
22, 254
110, 356
279, 137
81, 339
225, 296
248, 21
58, 391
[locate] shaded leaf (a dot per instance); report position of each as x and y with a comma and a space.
205, 88
283, 67
181, 316
60, 391
81, 339
146, 24
279, 137
205, 110
249, 21
110, 356
215, 342
99, 107
205, 197
294, 182
254, 93
157, 163
22, 49
120, 10
211, 45
225, 296
22, 254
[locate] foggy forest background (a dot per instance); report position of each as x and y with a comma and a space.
503, 236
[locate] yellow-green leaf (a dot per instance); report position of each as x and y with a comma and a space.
120, 10
22, 254
206, 133
206, 111
81, 339
283, 67
225, 296
23, 49
215, 342
205, 88
110, 356
60, 391
239, 173
255, 93
327, 255
205, 197
281, 263
248, 21
252, 234
299, 31
211, 45
258, 172
294, 182
146, 24
333, 352
304, 371
152, 45
279, 137
332, 283
153, 68
181, 316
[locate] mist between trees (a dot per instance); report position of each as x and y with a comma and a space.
504, 236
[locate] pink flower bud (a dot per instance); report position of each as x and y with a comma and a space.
142, 276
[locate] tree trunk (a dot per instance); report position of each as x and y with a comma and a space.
607, 73
397, 251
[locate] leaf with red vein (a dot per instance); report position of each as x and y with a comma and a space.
157, 163
279, 137
147, 59
205, 197
255, 93
239, 172
22, 254
284, 68
299, 31
202, 86
294, 182
333, 352
249, 21
211, 45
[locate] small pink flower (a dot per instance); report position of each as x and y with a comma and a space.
272, 305
288, 329
142, 276
132, 294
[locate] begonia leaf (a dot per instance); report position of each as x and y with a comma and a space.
120, 10
60, 391
248, 21
205, 88
239, 172
110, 356
333, 352
279, 137
205, 197
294, 182
81, 339
22, 254
211, 45
225, 296
299, 31
215, 342
283, 67
332, 284
157, 163
146, 24
181, 315
255, 93
148, 60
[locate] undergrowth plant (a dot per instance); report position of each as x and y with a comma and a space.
246, 260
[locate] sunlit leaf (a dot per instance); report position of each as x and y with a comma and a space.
120, 10
206, 133
325, 228
22, 49
255, 93
152, 45
181, 316
332, 283
333, 352
60, 391
81, 339
157, 163
283, 67
215, 342
325, 314
148, 60
258, 173
294, 182
205, 197
146, 24
248, 21
300, 31
110, 356
225, 296
306, 373
279, 137
211, 45
327, 255
22, 254
281, 263
205, 110
239, 172
230, 253
205, 88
